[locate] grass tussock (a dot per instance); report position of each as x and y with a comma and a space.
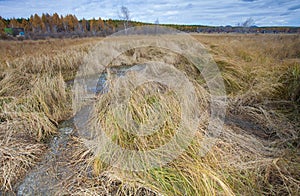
17, 157
27, 119
19, 151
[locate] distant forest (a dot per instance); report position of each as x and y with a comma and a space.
58, 26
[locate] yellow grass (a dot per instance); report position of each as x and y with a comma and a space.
257, 153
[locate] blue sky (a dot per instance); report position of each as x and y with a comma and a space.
206, 12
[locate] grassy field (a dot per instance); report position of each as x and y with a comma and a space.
257, 153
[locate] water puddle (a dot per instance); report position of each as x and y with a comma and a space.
102, 86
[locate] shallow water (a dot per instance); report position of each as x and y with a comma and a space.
46, 177
42, 179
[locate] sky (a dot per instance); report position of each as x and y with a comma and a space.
201, 12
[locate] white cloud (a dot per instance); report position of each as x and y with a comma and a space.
209, 12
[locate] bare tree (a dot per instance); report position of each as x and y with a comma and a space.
125, 16
248, 23
156, 24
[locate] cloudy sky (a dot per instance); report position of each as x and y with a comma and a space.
205, 12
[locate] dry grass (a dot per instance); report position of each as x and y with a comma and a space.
257, 153
33, 99
261, 74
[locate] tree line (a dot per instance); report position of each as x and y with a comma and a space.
58, 26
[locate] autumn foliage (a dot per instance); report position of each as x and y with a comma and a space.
60, 26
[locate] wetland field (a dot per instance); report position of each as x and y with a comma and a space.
43, 152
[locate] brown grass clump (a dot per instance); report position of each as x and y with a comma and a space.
27, 119
19, 150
